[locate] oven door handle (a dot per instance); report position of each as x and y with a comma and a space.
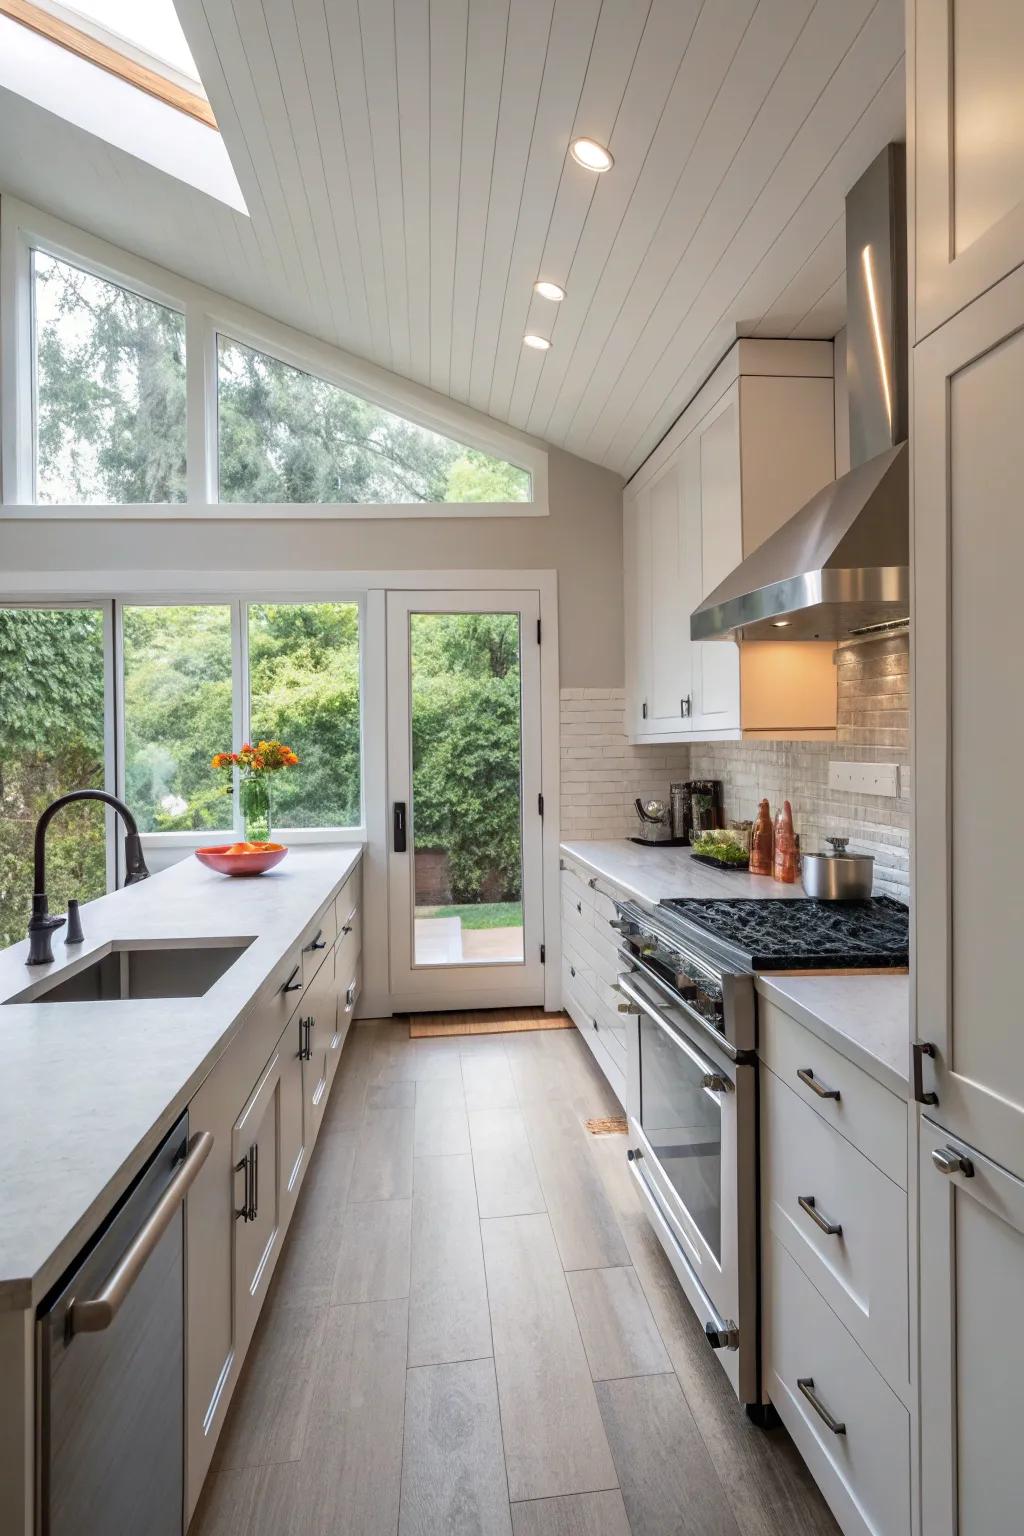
715, 1081
720, 1332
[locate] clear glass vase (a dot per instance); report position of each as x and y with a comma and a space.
254, 789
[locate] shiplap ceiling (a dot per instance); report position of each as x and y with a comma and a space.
406, 168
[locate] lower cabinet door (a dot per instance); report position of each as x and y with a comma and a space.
314, 1075
971, 1215
345, 1005
847, 1423
257, 1216
293, 1156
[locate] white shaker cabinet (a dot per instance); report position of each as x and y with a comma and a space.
754, 445
968, 554
972, 1348
965, 66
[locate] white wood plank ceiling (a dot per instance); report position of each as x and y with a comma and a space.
406, 168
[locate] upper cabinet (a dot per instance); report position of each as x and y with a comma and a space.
751, 448
967, 145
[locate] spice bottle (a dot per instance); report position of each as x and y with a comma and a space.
762, 842
785, 846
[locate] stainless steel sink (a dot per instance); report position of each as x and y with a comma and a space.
127, 971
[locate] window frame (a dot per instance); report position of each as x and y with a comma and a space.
207, 315
239, 604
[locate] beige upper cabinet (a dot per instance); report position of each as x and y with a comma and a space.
754, 445
967, 137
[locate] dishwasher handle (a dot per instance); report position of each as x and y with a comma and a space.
95, 1315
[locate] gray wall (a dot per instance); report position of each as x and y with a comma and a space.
581, 539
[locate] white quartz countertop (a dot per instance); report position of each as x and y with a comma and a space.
652, 874
88, 1089
864, 1017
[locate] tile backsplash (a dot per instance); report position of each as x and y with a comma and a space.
873, 726
602, 773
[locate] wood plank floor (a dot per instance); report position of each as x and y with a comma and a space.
474, 1332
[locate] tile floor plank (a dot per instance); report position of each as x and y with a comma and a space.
448, 1314
669, 1485
305, 1270
768, 1485
453, 1468
373, 1261
573, 1514
252, 1501
267, 1419
352, 1457
487, 1079
619, 1334
441, 1127
582, 1218
383, 1165
506, 1177
554, 1439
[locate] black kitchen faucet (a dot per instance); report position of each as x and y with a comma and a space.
41, 925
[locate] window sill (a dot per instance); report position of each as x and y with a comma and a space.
295, 837
222, 511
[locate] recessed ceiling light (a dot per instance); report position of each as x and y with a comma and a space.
549, 291
780, 623
592, 155
539, 343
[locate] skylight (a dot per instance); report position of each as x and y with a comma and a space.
152, 28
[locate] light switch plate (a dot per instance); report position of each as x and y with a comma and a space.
866, 778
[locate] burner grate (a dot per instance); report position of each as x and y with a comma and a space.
803, 934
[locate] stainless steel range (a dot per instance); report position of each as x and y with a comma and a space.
692, 1091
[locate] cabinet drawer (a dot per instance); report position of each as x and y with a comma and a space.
860, 1109
575, 887
347, 998
591, 1017
317, 942
863, 1472
257, 1193
614, 1074
348, 947
861, 1271
350, 896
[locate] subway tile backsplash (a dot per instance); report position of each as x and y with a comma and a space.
601, 773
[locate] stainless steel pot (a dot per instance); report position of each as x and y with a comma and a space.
838, 875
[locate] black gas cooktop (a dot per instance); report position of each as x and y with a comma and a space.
800, 935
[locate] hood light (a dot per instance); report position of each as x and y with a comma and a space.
780, 623
546, 290
538, 343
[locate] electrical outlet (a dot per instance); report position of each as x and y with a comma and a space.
866, 778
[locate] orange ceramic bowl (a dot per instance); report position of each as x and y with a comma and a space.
242, 858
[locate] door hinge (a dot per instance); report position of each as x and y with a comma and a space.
543, 954
540, 805
538, 631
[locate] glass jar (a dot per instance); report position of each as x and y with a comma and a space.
254, 792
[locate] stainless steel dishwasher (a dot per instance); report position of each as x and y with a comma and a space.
110, 1342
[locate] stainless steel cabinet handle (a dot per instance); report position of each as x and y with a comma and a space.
95, 1315
351, 993
291, 985
830, 1228
806, 1385
806, 1075
948, 1160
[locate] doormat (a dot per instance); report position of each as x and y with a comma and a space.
611, 1125
486, 1021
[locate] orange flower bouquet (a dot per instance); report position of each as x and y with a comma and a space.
255, 764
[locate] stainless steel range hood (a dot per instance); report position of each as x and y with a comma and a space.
841, 565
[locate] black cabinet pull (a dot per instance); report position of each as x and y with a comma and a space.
806, 1075
399, 838
923, 1048
319, 942
291, 985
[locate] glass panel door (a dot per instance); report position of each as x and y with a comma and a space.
682, 1120
464, 760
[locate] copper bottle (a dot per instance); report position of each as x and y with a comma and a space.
785, 846
762, 842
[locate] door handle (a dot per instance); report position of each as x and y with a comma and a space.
399, 837
830, 1228
806, 1075
98, 1313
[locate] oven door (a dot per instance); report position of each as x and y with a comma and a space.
693, 1153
